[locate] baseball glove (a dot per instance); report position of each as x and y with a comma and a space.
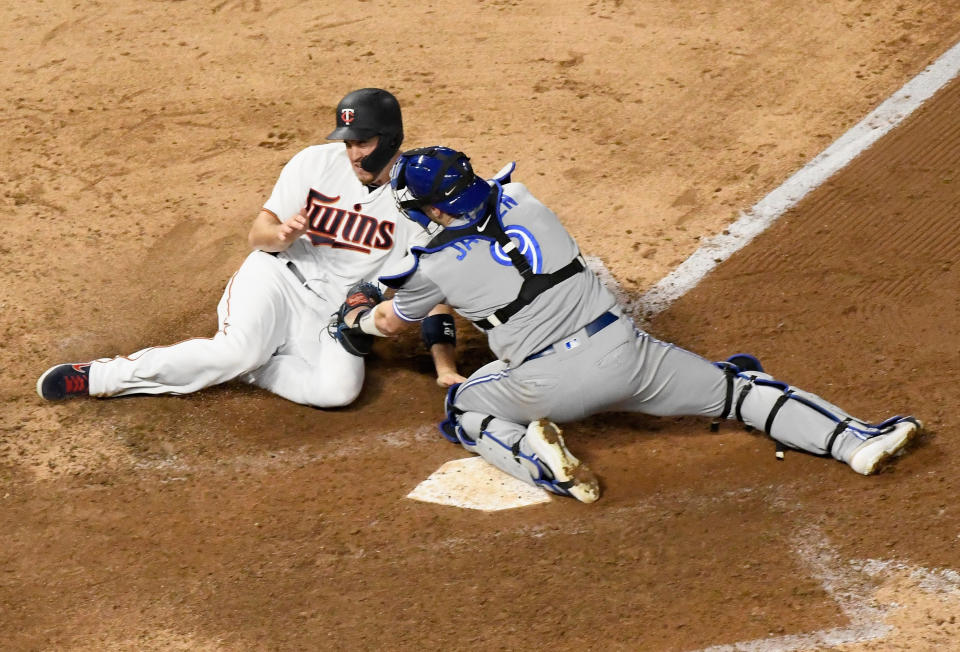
361, 295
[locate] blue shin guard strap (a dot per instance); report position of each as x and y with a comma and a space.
449, 400
728, 372
891, 421
483, 425
780, 446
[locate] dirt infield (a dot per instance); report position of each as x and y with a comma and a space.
141, 138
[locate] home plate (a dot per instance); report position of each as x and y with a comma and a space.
471, 483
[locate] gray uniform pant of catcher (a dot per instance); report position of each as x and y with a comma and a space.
621, 368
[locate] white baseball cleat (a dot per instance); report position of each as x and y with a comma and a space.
871, 455
570, 476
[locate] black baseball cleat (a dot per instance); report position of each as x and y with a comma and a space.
65, 381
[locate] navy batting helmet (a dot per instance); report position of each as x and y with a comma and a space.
436, 176
366, 113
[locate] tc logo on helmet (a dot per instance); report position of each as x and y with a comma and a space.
346, 116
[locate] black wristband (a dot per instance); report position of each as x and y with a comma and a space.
438, 329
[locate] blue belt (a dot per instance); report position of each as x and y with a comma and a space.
591, 329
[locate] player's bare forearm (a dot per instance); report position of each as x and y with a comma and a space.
445, 361
387, 320
444, 354
387, 323
270, 234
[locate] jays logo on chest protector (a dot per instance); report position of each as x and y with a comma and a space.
526, 244
342, 229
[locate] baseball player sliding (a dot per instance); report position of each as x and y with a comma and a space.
565, 349
330, 222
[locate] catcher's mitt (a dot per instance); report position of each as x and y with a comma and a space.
361, 295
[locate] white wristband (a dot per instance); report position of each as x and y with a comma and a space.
368, 323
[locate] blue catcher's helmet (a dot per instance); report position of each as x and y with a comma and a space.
436, 176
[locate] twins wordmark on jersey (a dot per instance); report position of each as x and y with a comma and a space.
339, 228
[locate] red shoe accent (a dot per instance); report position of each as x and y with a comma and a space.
65, 381
75, 384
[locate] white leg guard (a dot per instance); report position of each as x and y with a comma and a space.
798, 419
501, 444
535, 454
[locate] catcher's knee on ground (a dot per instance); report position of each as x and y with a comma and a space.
534, 453
500, 443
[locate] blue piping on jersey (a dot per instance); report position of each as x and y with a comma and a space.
402, 316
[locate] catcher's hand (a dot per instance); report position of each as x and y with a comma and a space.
361, 295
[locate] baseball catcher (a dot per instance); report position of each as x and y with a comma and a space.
565, 349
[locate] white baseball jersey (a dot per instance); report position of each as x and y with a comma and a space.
273, 326
353, 229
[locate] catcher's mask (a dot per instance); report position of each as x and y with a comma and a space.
436, 176
366, 113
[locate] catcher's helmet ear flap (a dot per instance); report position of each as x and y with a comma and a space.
406, 203
369, 112
440, 177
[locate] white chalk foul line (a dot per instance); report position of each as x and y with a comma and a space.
848, 589
848, 583
866, 618
750, 224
